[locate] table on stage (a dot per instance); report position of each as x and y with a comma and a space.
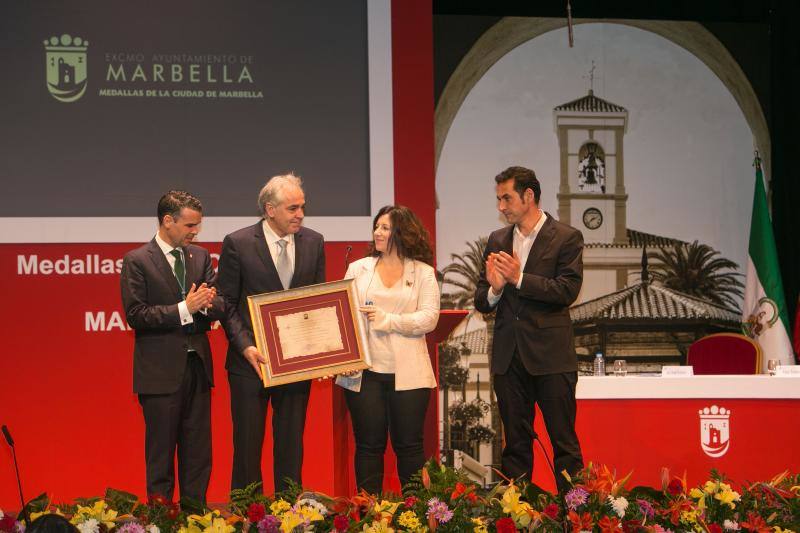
746, 427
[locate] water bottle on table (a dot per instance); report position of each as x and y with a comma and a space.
599, 364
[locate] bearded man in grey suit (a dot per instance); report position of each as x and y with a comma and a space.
533, 273
170, 302
276, 253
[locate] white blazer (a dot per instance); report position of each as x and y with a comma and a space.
416, 313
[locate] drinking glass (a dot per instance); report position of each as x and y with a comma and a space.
620, 367
772, 366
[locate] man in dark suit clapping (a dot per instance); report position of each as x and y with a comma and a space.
533, 273
170, 302
276, 253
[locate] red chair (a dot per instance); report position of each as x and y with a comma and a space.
725, 353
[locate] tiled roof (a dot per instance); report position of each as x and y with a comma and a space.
637, 239
591, 103
474, 340
647, 301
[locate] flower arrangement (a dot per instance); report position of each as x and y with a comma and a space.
440, 499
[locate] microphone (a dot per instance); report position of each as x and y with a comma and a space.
10, 441
347, 256
7, 435
535, 437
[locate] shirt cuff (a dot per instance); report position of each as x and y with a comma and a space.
492, 297
186, 316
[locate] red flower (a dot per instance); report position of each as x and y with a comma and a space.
551, 511
675, 509
609, 524
157, 499
675, 487
341, 523
755, 523
173, 512
256, 512
580, 523
632, 526
714, 528
505, 525
411, 501
7, 523
426, 478
472, 497
458, 491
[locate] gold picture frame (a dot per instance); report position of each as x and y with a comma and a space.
309, 332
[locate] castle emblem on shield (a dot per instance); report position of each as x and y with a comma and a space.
65, 60
715, 434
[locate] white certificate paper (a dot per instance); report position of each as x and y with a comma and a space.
308, 333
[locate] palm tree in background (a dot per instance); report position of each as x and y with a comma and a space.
699, 270
464, 273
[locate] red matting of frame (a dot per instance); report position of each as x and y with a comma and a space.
280, 366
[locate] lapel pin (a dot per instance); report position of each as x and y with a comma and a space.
408, 283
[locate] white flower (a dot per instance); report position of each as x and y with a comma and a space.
89, 526
618, 504
152, 528
310, 502
730, 525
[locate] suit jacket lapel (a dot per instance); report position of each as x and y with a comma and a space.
299, 255
161, 263
191, 270
260, 244
541, 243
507, 242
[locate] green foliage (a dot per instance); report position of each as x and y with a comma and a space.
695, 269
451, 374
241, 499
123, 502
463, 274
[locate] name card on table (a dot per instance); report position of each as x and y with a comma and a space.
791, 371
677, 371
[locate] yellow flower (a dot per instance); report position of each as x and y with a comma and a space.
381, 526
510, 500
689, 516
779, 530
208, 523
696, 493
309, 513
290, 520
480, 527
279, 506
409, 520
520, 512
727, 497
99, 511
711, 487
386, 509
57, 511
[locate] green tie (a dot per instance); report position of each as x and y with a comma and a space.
180, 271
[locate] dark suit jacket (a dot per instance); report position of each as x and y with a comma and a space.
535, 318
150, 296
246, 268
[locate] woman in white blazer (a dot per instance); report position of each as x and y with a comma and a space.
399, 298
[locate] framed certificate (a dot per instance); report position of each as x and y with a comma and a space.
309, 332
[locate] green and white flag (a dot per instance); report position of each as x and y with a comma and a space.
764, 315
